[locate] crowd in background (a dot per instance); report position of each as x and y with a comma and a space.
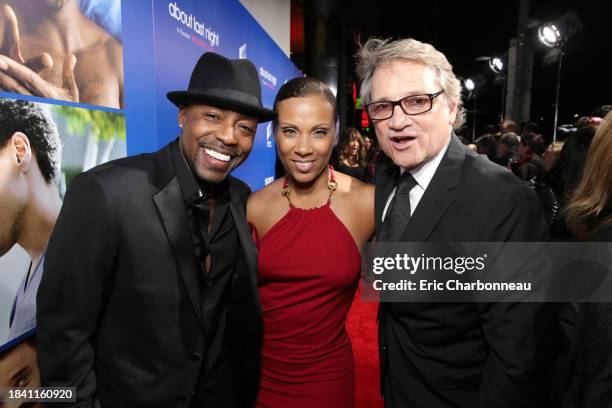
553, 170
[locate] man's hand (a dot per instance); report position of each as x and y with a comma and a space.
20, 76
11, 46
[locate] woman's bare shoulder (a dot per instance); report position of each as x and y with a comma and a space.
354, 205
354, 189
262, 205
266, 206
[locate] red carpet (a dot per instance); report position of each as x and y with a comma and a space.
362, 327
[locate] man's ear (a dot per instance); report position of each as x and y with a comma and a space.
22, 150
452, 106
181, 115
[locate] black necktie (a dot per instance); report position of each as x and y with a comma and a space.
398, 212
201, 219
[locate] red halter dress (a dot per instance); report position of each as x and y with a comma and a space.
309, 269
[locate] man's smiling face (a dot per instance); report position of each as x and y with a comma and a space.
410, 140
215, 141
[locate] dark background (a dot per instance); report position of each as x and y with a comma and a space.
463, 31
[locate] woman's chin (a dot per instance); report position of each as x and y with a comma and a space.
306, 177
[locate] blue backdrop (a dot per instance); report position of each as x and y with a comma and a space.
162, 42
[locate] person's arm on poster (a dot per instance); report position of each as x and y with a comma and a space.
76, 282
518, 335
24, 77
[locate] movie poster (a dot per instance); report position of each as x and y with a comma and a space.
60, 114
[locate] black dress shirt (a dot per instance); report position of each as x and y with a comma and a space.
216, 246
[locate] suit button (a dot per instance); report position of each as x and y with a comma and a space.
195, 357
384, 348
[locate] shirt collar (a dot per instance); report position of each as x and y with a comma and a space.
191, 189
425, 171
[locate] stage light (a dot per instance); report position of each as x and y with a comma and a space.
496, 65
469, 84
549, 35
555, 35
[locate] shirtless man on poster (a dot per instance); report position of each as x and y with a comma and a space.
49, 48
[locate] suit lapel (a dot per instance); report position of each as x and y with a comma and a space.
171, 211
428, 214
246, 241
439, 195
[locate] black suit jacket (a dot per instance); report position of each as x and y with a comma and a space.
466, 355
595, 369
119, 308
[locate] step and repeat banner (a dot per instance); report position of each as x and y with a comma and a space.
80, 94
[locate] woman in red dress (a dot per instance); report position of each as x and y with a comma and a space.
310, 226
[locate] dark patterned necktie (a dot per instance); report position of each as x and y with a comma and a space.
201, 220
398, 212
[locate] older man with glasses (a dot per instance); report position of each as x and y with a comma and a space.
430, 188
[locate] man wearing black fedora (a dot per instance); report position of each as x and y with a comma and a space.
149, 294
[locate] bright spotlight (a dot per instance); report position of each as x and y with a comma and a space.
496, 65
549, 35
469, 84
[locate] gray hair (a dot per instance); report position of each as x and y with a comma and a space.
378, 51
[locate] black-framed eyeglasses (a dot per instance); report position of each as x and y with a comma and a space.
411, 105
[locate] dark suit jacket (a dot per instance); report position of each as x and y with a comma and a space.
119, 308
596, 359
436, 355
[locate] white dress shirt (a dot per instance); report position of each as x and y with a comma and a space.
423, 175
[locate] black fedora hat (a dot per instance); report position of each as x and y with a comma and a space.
224, 83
